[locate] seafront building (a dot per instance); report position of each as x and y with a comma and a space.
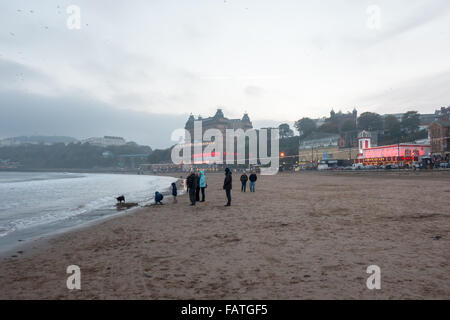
36, 140
402, 154
440, 133
324, 146
105, 141
319, 146
440, 138
218, 122
399, 154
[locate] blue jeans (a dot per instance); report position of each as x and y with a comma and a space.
244, 185
228, 193
252, 186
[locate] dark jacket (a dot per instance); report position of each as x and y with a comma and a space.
244, 178
158, 196
174, 189
253, 177
227, 183
197, 178
191, 181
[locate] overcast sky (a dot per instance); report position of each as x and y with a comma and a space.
138, 68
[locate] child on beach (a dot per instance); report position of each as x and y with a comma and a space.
174, 192
158, 198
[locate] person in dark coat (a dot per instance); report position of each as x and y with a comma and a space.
252, 179
244, 179
197, 189
191, 183
158, 198
174, 192
227, 185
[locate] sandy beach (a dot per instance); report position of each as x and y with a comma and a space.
300, 236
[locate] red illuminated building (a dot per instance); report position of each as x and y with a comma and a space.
401, 154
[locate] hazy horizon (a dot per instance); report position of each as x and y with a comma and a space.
129, 124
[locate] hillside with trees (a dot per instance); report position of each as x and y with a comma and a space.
389, 129
73, 155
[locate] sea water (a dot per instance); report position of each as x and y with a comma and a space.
38, 204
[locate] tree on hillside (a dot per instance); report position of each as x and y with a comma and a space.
160, 156
348, 125
285, 131
370, 121
410, 122
392, 127
329, 127
305, 126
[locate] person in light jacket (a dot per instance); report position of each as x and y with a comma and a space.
203, 185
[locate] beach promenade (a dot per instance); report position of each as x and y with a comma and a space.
300, 236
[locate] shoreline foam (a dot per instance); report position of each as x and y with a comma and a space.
54, 219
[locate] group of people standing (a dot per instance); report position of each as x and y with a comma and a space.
252, 178
196, 184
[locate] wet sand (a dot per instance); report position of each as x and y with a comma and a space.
300, 236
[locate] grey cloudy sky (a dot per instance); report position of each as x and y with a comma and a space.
138, 68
